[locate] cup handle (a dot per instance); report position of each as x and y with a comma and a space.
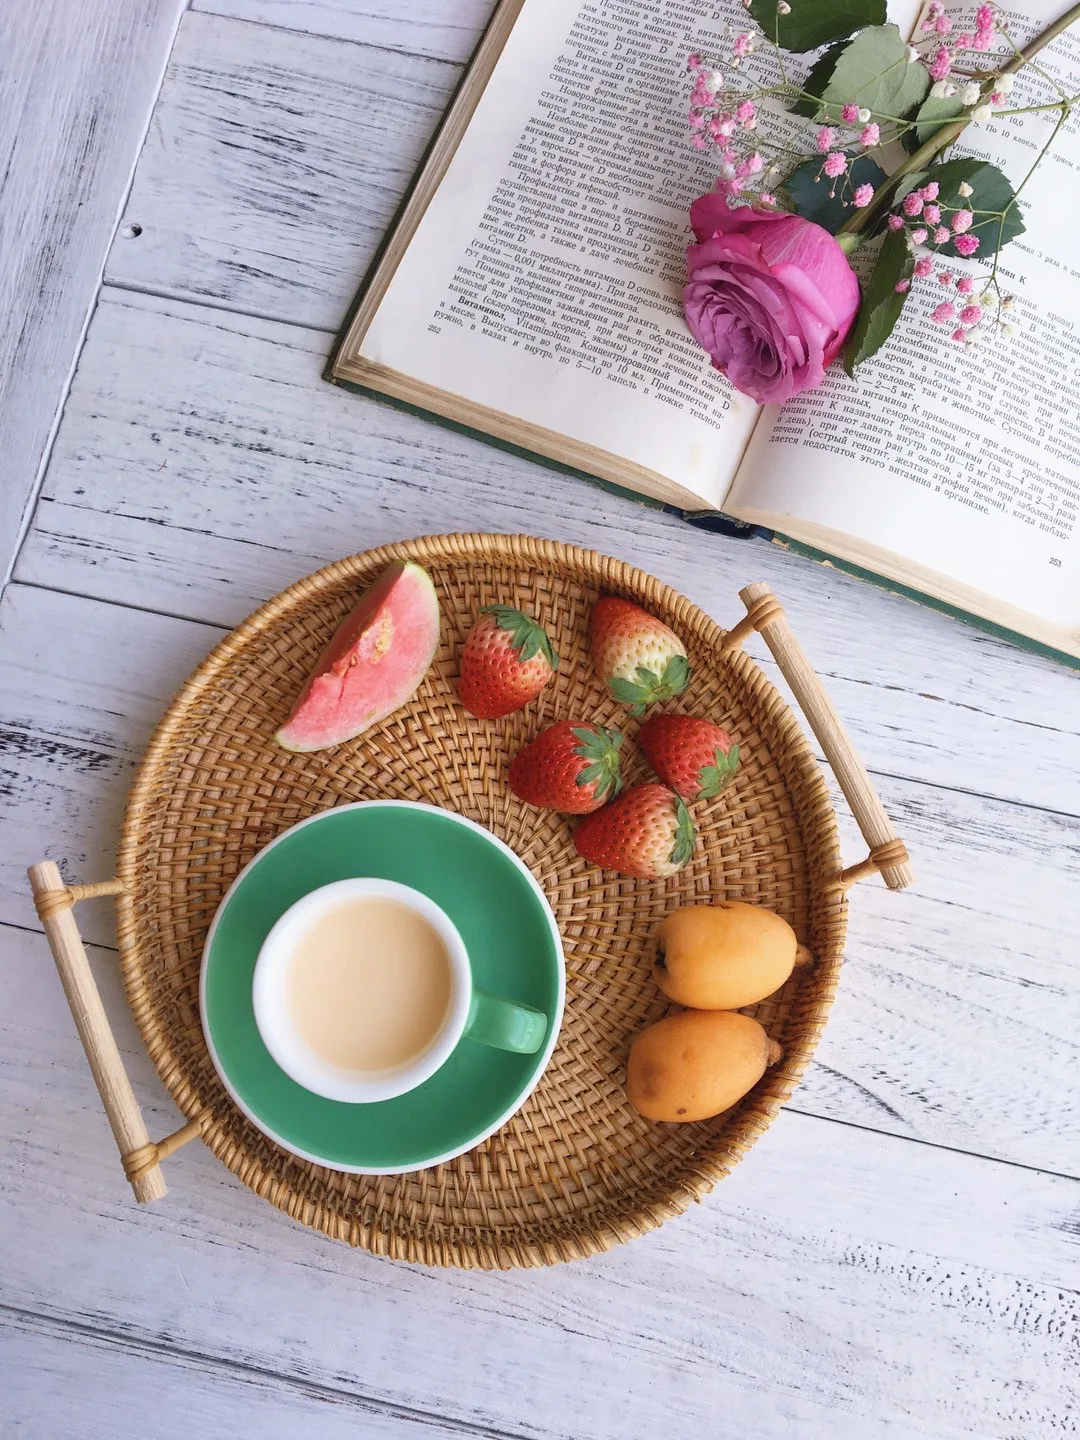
505, 1025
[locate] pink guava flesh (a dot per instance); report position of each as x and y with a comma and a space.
376, 660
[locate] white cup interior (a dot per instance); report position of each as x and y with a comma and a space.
274, 1021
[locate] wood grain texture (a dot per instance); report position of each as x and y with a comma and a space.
954, 1021
890, 1289
77, 81
267, 180
203, 465
443, 29
101, 1385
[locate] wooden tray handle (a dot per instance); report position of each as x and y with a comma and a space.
141, 1157
888, 854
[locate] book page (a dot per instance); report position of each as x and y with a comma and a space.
963, 459
545, 278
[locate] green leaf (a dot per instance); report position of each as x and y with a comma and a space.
676, 676
648, 688
881, 303
820, 74
527, 636
809, 192
717, 777
932, 114
875, 71
628, 692
685, 834
997, 216
601, 748
813, 23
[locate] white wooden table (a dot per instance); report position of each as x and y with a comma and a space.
188, 201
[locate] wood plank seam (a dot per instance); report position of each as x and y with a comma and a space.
17, 1316
30, 504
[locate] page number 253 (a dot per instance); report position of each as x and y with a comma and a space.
1055, 561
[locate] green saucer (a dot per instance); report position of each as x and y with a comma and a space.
514, 949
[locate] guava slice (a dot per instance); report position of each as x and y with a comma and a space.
375, 662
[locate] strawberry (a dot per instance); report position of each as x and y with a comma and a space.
695, 757
638, 658
646, 832
568, 767
506, 662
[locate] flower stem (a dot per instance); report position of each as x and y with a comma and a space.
857, 224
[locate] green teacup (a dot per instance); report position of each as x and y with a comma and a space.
509, 943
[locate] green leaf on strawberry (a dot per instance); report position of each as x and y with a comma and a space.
601, 748
685, 834
527, 637
717, 777
648, 688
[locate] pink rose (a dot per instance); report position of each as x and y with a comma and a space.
770, 296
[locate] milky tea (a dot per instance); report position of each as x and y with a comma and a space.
369, 985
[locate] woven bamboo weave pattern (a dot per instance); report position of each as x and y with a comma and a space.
576, 1171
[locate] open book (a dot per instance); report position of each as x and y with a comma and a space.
531, 290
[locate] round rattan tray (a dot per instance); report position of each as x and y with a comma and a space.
576, 1171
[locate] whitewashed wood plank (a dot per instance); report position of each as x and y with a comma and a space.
77, 82
203, 464
64, 1380
443, 29
955, 1021
273, 166
840, 1283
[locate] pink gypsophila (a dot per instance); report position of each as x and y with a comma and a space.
931, 213
984, 17
942, 25
967, 244
941, 235
902, 287
850, 113
959, 335
930, 192
895, 222
918, 237
944, 313
913, 204
941, 65
826, 137
871, 135
924, 266
863, 195
966, 285
835, 164
962, 220
971, 314
745, 112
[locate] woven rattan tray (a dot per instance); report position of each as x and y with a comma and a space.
576, 1171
